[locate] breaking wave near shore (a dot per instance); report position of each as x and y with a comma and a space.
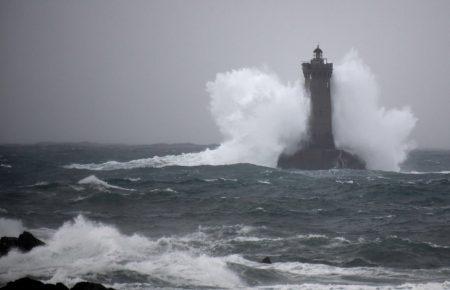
81, 248
260, 117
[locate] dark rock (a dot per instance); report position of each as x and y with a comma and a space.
89, 286
6, 243
266, 260
31, 284
25, 242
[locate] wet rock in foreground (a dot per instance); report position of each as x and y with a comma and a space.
31, 284
25, 242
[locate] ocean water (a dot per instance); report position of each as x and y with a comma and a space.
115, 215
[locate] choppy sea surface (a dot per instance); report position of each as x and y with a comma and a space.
207, 227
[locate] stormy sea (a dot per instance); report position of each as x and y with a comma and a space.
117, 215
187, 216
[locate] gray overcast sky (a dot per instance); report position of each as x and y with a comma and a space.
135, 71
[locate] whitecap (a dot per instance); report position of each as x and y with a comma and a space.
426, 172
39, 183
322, 272
168, 189
334, 286
243, 229
264, 181
344, 181
228, 179
77, 188
255, 239
311, 236
100, 184
79, 198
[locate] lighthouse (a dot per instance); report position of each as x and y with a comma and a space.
317, 75
319, 151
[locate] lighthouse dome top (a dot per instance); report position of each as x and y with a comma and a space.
318, 52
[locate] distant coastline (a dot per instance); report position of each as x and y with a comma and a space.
177, 145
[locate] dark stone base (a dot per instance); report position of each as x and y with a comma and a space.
317, 159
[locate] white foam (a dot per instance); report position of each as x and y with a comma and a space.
254, 239
10, 227
326, 273
93, 180
344, 181
264, 181
76, 187
245, 230
168, 189
39, 183
312, 286
4, 165
79, 198
229, 179
311, 236
426, 172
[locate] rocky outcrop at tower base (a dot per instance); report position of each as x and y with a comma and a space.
320, 159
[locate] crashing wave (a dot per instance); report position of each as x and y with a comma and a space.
260, 117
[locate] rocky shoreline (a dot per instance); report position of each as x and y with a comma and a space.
31, 284
25, 243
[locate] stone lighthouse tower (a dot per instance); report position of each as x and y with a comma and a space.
319, 151
317, 82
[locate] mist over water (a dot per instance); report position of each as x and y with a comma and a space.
260, 117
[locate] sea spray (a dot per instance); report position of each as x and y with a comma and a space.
260, 117
361, 125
